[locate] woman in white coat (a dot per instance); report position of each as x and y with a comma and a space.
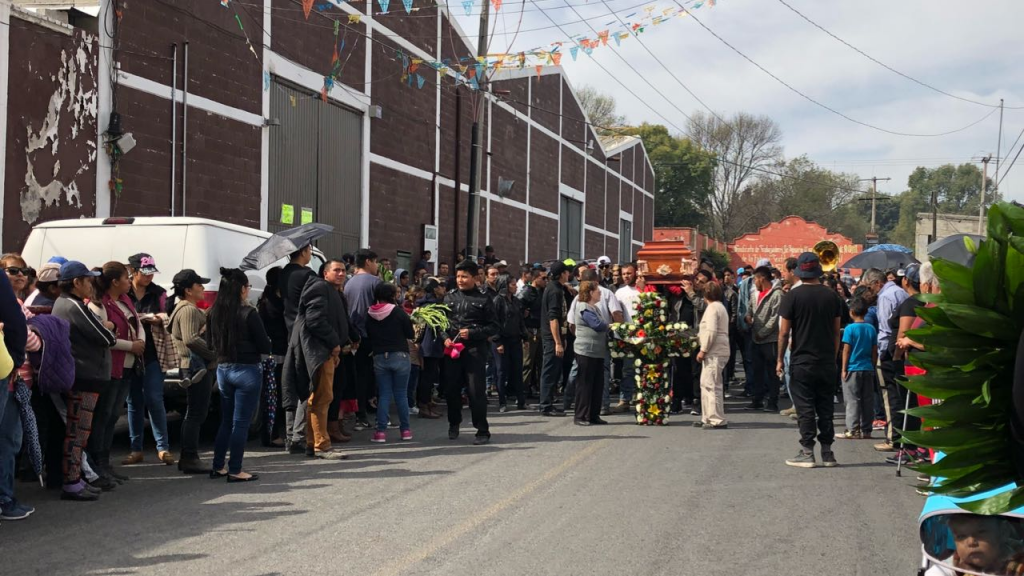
713, 355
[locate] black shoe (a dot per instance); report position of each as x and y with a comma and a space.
581, 422
215, 475
89, 488
481, 440
598, 421
698, 424
80, 496
310, 452
192, 465
251, 478
453, 432
104, 483
745, 394
296, 449
828, 459
520, 406
803, 459
552, 413
560, 411
118, 477
719, 427
771, 407
754, 406
695, 412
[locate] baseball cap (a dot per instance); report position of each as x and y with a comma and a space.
49, 272
502, 264
74, 269
603, 261
739, 271
58, 260
569, 262
913, 273
188, 278
766, 262
144, 263
557, 268
808, 266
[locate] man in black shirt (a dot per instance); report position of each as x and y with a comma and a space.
473, 323
811, 315
290, 283
552, 331
531, 297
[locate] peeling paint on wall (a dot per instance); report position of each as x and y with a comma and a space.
79, 104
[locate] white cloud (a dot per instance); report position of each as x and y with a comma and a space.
966, 50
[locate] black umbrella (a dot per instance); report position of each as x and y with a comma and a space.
881, 259
954, 248
284, 243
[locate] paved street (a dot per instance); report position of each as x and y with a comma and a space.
545, 498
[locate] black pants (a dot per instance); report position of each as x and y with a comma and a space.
734, 344
682, 382
766, 357
365, 381
811, 386
52, 430
895, 396
512, 373
198, 406
468, 371
104, 418
532, 361
589, 388
551, 374
430, 376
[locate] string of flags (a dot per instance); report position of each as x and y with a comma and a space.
471, 71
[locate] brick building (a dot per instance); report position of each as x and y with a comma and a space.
235, 119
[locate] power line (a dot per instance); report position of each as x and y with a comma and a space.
816, 102
1010, 167
890, 68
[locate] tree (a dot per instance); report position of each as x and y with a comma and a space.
953, 189
683, 173
742, 146
600, 109
804, 189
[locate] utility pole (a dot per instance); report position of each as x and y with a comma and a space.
984, 187
999, 143
476, 148
874, 196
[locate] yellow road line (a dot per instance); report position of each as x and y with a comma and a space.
402, 565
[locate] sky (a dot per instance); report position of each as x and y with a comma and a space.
970, 50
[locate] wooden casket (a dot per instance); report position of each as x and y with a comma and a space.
666, 262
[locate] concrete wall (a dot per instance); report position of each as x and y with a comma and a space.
946, 225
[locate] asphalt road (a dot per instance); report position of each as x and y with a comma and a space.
545, 497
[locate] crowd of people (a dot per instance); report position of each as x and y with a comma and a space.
326, 353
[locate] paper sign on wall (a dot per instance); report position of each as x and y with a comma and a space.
307, 216
287, 214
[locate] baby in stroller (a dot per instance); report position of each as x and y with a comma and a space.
983, 544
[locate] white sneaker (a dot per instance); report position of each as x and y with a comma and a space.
415, 410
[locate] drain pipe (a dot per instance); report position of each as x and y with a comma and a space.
184, 140
174, 119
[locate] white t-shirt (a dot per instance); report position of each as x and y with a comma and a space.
607, 305
627, 297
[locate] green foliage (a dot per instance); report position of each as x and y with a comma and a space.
970, 341
684, 174
720, 260
956, 189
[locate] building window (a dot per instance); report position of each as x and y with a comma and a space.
570, 229
625, 241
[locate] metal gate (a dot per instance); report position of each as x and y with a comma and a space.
315, 163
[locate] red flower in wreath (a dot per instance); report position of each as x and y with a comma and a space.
641, 334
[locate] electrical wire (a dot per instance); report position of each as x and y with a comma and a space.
890, 68
820, 104
1010, 167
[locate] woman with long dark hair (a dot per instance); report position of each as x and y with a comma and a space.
271, 309
112, 304
197, 361
236, 334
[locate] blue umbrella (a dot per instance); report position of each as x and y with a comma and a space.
890, 248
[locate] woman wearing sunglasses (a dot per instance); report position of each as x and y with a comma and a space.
17, 272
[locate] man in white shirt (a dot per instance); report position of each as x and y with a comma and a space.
627, 297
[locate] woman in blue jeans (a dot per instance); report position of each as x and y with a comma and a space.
237, 336
389, 330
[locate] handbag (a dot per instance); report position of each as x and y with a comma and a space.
6, 362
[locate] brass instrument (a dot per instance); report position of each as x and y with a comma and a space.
828, 254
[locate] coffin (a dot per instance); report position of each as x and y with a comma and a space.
666, 262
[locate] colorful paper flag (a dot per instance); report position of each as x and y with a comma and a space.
467, 5
384, 5
408, 5
556, 58
618, 40
337, 27
354, 18
419, 81
496, 4
538, 69
307, 7
266, 80
291, 99
573, 51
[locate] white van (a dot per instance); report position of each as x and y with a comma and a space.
174, 242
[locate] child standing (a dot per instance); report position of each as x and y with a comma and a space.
860, 353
